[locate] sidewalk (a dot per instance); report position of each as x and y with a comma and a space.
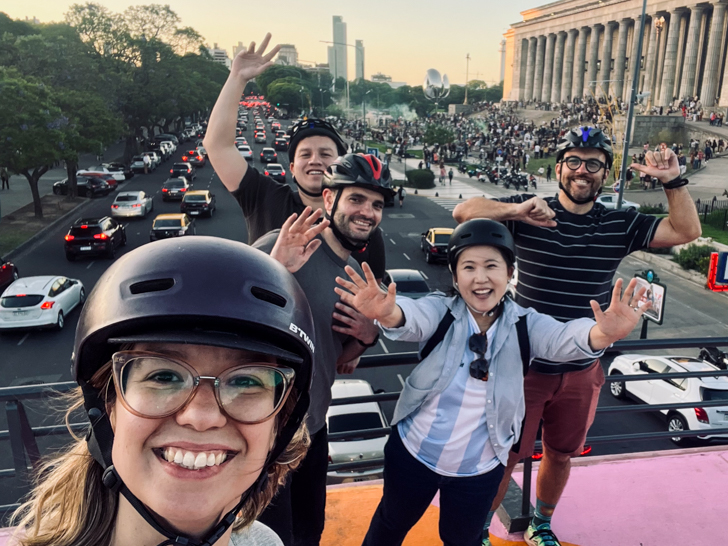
19, 193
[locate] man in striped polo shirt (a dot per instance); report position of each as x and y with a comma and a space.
568, 250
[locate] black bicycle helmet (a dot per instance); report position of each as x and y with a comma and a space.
586, 137
480, 232
360, 170
199, 290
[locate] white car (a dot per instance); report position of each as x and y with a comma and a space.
132, 203
245, 151
40, 302
667, 391
155, 159
350, 418
169, 144
101, 169
610, 203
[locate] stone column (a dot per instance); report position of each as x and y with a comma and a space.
523, 61
690, 69
538, 76
530, 69
593, 58
650, 62
635, 56
712, 70
558, 67
602, 87
680, 53
667, 90
621, 59
548, 68
578, 89
568, 72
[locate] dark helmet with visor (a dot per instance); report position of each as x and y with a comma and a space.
195, 290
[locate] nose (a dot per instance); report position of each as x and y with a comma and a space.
202, 412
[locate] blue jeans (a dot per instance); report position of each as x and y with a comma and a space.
409, 487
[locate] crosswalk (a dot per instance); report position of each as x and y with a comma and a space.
448, 203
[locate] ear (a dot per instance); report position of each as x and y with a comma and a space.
329, 195
511, 271
557, 168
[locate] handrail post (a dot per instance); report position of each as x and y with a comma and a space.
22, 439
526, 499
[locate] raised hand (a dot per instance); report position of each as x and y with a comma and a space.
662, 165
368, 298
296, 241
251, 63
622, 315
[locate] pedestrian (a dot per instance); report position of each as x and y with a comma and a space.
354, 193
561, 261
147, 161
450, 174
443, 174
216, 339
455, 392
419, 166
5, 177
401, 192
548, 173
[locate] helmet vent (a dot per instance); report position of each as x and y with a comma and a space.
466, 235
156, 285
267, 295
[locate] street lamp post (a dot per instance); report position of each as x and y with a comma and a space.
364, 106
467, 67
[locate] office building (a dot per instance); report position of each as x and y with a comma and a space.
220, 56
359, 56
338, 51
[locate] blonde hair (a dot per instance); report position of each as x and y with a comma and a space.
70, 505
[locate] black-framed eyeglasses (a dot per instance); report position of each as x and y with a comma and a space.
592, 165
478, 343
154, 386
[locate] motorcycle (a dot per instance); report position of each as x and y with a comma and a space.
462, 169
714, 356
532, 179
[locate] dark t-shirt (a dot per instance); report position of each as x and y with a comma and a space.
267, 204
560, 269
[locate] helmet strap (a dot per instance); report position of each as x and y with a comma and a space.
343, 240
572, 198
306, 192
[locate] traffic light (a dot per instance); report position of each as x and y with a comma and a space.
278, 103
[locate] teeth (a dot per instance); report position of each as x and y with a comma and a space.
192, 460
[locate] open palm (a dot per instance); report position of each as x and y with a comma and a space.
365, 295
623, 313
251, 63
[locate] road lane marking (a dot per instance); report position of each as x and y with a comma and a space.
384, 347
405, 255
89, 265
425, 276
399, 376
26, 337
393, 241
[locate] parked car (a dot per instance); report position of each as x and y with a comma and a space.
86, 187
664, 391
94, 236
434, 244
280, 144
132, 203
175, 188
268, 155
198, 202
106, 177
40, 302
102, 169
120, 167
137, 164
610, 203
352, 418
245, 151
183, 169
276, 172
155, 159
171, 225
410, 282
8, 274
166, 136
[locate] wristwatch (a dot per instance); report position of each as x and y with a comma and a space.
678, 182
372, 344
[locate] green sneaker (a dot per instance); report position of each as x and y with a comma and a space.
486, 541
540, 536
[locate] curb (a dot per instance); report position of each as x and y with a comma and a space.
43, 232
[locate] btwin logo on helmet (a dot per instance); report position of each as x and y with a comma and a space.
303, 335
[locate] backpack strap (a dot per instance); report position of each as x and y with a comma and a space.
523, 343
438, 336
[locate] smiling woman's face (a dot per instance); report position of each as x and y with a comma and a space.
482, 275
145, 450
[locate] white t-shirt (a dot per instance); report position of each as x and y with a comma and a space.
256, 534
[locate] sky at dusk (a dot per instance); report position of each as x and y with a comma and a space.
401, 38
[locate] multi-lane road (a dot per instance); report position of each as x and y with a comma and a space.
44, 356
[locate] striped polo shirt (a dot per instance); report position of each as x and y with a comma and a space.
560, 269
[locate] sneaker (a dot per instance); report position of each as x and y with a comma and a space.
540, 536
486, 541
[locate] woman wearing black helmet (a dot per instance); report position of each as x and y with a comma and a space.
195, 391
462, 407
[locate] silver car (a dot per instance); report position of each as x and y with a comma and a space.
245, 151
132, 203
610, 203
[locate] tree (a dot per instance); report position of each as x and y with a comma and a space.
495, 93
437, 134
277, 72
297, 97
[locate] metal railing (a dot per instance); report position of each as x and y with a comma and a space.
26, 454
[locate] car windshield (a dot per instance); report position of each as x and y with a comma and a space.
441, 238
195, 198
412, 286
167, 223
120, 198
138, 158
354, 421
714, 394
10, 302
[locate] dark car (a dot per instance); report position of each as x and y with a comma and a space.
87, 187
199, 202
268, 155
94, 236
8, 274
434, 244
183, 169
194, 158
166, 136
410, 282
276, 172
281, 144
106, 177
120, 167
171, 225
175, 188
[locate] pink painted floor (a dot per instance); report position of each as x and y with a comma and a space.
669, 498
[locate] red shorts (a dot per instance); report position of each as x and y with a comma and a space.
567, 404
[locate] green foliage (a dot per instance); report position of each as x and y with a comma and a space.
422, 179
718, 219
437, 134
647, 208
294, 96
695, 257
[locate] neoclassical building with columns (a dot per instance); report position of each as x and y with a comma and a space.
583, 48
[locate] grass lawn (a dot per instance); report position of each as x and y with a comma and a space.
719, 236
